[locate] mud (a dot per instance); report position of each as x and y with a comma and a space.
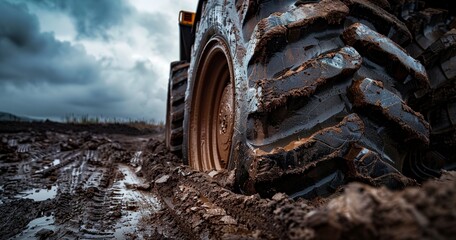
368, 92
317, 72
382, 50
275, 31
70, 184
385, 22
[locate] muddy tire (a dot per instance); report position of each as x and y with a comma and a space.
427, 21
439, 108
320, 93
175, 106
432, 25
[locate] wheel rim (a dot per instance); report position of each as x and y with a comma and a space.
212, 114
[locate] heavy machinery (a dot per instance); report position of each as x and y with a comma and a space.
302, 96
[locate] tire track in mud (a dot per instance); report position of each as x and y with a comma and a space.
84, 186
86, 183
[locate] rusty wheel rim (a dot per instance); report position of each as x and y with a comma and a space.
212, 114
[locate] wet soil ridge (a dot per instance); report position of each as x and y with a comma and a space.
366, 212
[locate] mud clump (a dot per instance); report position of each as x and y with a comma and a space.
16, 215
367, 213
79, 184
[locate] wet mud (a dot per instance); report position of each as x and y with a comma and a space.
70, 184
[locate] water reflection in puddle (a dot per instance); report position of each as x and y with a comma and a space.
34, 226
136, 203
39, 194
56, 162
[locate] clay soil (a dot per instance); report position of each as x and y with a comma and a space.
61, 181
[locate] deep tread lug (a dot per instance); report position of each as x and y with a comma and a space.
178, 115
300, 153
299, 158
179, 65
384, 51
176, 106
446, 44
370, 94
385, 23
177, 136
273, 32
178, 94
370, 165
303, 80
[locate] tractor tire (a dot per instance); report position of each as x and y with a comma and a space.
427, 21
433, 27
175, 106
302, 96
439, 108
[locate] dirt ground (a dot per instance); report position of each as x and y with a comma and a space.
112, 182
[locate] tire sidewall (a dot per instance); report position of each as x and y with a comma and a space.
218, 22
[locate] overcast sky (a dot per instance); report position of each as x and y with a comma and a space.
98, 57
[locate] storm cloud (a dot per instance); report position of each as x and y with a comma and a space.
91, 18
102, 58
27, 55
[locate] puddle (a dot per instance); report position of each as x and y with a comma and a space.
56, 162
12, 143
135, 203
39, 194
127, 225
136, 160
90, 155
23, 148
35, 226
